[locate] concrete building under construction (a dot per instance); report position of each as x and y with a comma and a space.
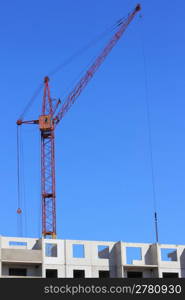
31, 257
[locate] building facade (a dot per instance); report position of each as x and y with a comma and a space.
29, 257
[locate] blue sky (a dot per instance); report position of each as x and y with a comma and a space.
103, 170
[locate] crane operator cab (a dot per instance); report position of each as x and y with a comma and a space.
45, 122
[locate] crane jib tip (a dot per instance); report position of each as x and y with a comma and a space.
138, 7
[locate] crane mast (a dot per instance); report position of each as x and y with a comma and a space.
48, 164
47, 123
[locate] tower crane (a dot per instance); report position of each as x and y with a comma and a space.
50, 116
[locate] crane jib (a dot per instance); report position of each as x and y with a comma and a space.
72, 97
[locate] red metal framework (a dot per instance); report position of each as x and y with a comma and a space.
47, 123
48, 164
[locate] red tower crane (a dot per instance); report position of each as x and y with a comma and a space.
47, 123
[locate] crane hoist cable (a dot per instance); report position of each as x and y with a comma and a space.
21, 198
149, 135
19, 204
22, 182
